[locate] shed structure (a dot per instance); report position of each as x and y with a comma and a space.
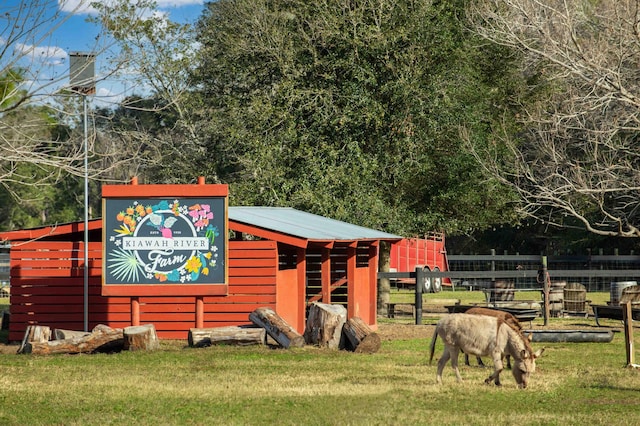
280, 258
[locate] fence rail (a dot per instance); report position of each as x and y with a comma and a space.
595, 272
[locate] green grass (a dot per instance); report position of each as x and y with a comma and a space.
575, 384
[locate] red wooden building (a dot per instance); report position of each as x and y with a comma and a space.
281, 258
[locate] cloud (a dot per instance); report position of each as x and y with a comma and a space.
83, 7
49, 55
79, 7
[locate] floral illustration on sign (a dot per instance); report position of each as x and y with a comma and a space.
163, 242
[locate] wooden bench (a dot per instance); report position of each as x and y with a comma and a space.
629, 295
426, 304
391, 309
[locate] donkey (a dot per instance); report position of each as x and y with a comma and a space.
482, 335
508, 318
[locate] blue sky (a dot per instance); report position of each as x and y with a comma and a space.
43, 49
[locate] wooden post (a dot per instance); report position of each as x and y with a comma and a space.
546, 289
325, 274
628, 333
199, 312
135, 311
418, 300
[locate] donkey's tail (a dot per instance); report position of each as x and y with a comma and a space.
432, 346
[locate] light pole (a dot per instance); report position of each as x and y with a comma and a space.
82, 81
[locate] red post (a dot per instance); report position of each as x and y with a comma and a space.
199, 312
135, 311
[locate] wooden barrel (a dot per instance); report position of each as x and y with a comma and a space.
631, 294
503, 291
575, 296
556, 301
616, 291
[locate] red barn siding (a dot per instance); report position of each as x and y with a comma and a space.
47, 288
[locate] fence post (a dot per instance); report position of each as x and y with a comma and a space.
545, 288
420, 276
493, 267
628, 333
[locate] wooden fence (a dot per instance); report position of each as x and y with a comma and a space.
527, 272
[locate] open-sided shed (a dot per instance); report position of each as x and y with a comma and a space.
280, 258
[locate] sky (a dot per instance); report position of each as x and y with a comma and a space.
52, 29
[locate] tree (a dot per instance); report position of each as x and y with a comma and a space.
160, 53
576, 160
352, 109
41, 120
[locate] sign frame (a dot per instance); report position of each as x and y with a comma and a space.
188, 201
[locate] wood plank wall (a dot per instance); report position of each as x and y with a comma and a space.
47, 288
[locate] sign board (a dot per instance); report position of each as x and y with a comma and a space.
174, 244
82, 73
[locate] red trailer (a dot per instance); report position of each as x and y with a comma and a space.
428, 252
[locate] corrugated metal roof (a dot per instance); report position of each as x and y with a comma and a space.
304, 225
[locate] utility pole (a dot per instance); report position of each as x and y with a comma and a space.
82, 82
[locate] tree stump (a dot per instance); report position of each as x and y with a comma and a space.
360, 336
324, 325
101, 339
141, 338
232, 335
34, 334
277, 328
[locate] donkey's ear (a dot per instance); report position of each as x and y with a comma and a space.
538, 353
530, 337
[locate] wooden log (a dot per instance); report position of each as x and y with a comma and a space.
61, 334
101, 339
232, 335
141, 338
34, 334
360, 336
277, 328
324, 325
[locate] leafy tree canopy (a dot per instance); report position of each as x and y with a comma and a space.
353, 110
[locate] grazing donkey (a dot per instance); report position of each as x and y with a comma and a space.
482, 335
505, 316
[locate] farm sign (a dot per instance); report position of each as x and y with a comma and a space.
164, 245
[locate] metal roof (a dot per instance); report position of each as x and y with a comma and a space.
301, 224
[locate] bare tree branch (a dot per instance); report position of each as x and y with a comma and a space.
577, 156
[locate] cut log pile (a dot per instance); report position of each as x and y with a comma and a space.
327, 326
37, 340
